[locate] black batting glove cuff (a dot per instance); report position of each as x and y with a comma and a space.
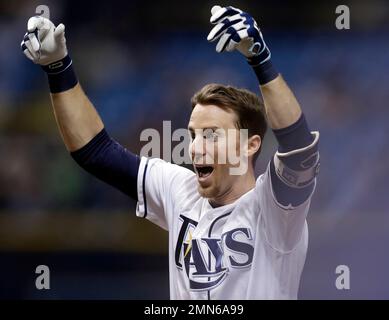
265, 71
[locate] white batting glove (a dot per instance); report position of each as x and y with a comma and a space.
44, 43
236, 29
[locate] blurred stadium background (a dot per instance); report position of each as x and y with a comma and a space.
140, 62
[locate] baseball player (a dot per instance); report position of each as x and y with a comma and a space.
231, 236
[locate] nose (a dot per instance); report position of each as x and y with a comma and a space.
198, 148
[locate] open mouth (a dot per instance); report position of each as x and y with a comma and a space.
203, 171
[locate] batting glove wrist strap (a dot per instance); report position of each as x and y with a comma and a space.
61, 75
265, 72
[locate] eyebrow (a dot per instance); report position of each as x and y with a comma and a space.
212, 128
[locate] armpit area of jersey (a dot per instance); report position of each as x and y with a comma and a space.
110, 162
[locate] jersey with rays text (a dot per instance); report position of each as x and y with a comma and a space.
253, 248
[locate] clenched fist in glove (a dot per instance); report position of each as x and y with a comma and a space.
236, 29
45, 44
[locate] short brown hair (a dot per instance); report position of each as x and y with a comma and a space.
248, 107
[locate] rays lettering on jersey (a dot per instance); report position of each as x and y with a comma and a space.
202, 259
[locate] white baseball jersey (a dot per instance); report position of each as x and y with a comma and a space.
254, 248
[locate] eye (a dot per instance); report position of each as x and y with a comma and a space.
210, 134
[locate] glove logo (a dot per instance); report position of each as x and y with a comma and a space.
56, 65
256, 48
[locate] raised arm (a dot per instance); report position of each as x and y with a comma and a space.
294, 166
282, 108
80, 125
76, 117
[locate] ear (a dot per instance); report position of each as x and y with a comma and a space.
253, 145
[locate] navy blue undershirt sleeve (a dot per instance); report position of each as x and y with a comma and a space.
110, 162
293, 137
296, 136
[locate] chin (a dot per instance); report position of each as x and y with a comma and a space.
207, 192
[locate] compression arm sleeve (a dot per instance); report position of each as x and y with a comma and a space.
110, 162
